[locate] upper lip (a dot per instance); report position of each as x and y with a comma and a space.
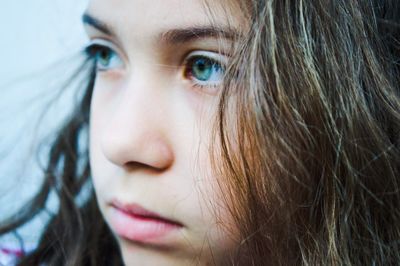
137, 210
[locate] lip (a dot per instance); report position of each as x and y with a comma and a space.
133, 222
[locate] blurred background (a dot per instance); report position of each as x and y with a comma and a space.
40, 44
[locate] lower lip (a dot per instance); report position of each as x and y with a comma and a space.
141, 229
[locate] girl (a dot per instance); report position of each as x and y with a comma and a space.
248, 132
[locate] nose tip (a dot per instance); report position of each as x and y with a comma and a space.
135, 151
136, 135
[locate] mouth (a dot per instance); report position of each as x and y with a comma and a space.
133, 222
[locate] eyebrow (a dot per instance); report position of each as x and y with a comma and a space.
96, 23
184, 35
172, 36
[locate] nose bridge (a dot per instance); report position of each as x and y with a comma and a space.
136, 133
146, 94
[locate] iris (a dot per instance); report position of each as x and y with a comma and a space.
206, 70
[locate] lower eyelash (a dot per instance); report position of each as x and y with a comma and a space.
210, 86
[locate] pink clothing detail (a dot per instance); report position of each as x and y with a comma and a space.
9, 256
13, 252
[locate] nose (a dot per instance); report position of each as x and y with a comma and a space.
136, 135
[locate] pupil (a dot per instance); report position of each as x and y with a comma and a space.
202, 69
202, 66
104, 56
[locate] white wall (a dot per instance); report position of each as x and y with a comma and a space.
39, 41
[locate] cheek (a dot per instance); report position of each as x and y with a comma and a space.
99, 166
220, 230
213, 219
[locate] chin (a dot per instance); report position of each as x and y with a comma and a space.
137, 254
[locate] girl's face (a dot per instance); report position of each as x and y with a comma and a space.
160, 65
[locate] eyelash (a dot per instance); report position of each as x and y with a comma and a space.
94, 50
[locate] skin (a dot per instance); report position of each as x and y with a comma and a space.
150, 128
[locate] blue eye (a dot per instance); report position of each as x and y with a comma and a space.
204, 70
104, 57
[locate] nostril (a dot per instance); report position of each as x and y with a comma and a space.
134, 166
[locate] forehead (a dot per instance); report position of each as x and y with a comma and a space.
146, 16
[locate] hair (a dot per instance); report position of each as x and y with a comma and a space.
307, 144
311, 159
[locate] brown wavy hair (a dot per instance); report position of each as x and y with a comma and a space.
307, 144
311, 159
